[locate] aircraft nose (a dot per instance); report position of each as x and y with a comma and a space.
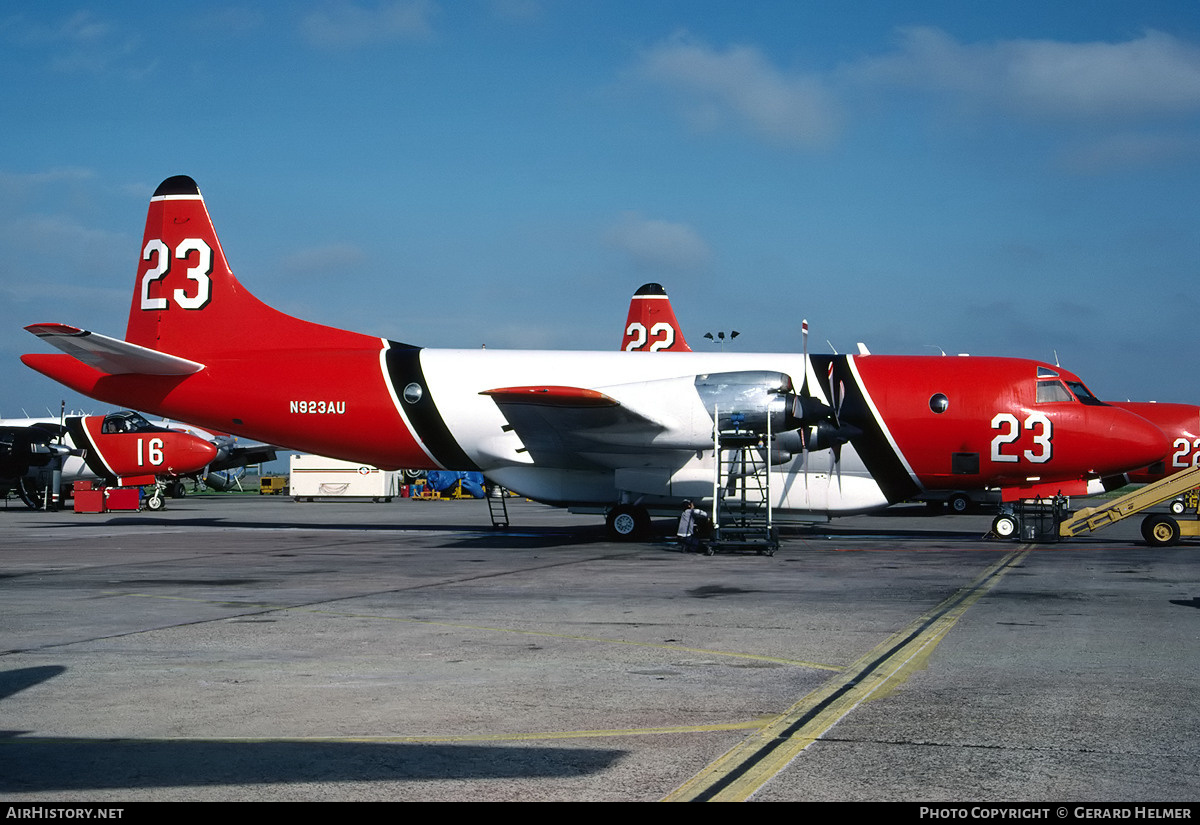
199, 454
207, 451
1137, 444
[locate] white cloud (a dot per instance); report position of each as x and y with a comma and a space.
1107, 87
346, 25
1132, 150
24, 181
1155, 74
82, 43
656, 244
79, 28
739, 85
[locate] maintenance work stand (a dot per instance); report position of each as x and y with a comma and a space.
742, 511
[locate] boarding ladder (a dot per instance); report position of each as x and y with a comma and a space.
1156, 529
497, 502
742, 512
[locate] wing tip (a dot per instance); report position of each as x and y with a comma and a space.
44, 330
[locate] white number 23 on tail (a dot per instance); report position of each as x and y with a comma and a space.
201, 273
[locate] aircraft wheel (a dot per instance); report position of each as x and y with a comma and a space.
1160, 531
627, 522
1177, 507
1005, 526
156, 502
959, 503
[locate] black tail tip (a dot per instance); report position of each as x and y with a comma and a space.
651, 289
177, 185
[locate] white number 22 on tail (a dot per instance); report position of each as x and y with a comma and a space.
662, 333
200, 273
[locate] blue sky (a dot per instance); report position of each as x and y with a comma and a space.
1000, 178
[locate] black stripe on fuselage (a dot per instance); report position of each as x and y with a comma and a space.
872, 446
404, 369
91, 456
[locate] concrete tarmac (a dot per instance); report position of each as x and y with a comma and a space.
247, 648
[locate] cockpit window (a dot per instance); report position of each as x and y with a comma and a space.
1084, 394
1051, 392
126, 422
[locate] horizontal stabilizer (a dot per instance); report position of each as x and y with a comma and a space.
111, 355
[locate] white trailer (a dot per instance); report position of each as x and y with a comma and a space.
314, 476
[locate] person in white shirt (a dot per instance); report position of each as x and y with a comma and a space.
686, 533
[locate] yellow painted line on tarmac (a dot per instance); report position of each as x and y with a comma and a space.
753, 657
740, 772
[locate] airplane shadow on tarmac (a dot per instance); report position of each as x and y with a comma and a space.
48, 764
555, 535
475, 534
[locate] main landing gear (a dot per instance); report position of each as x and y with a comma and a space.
628, 522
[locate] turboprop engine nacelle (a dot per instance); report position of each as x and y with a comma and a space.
746, 400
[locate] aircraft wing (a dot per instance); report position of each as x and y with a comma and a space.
243, 456
111, 355
583, 429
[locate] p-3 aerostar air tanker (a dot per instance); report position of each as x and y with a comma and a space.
614, 432
652, 326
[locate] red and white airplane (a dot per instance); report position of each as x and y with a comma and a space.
650, 308
121, 448
1181, 424
614, 432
